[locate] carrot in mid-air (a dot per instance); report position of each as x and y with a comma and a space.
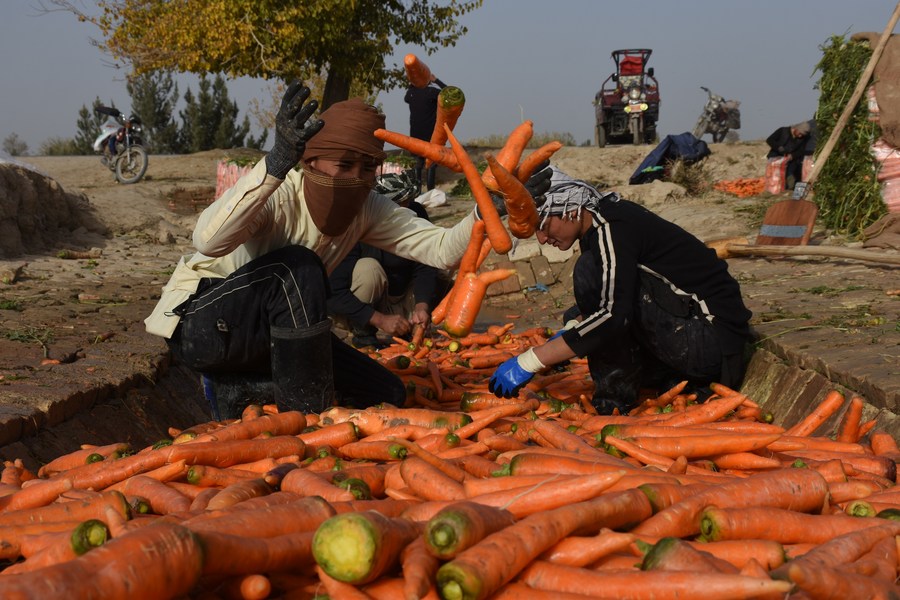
417, 72
523, 215
511, 152
450, 104
437, 154
530, 163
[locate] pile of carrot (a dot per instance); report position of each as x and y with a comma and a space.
742, 187
459, 494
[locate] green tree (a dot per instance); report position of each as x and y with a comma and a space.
227, 133
153, 99
209, 119
88, 127
282, 39
14, 146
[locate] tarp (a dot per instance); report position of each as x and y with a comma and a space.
682, 146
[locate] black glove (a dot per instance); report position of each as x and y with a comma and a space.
539, 182
292, 130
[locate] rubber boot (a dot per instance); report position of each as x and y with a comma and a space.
229, 394
302, 371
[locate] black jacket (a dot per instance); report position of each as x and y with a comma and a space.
401, 273
423, 109
782, 143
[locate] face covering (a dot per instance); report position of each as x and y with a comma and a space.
333, 202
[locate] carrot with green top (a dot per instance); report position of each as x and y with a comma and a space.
360, 547
493, 226
461, 525
482, 569
163, 499
67, 546
777, 524
450, 104
83, 456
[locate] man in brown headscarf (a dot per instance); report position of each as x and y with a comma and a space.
248, 309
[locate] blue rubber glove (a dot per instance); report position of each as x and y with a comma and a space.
509, 378
556, 335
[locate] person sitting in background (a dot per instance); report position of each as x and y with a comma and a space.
374, 290
794, 142
422, 117
655, 306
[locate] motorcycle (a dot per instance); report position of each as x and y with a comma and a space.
120, 145
718, 118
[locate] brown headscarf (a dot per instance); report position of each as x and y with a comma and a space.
348, 134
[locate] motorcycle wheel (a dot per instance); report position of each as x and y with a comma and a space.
600, 136
636, 132
131, 165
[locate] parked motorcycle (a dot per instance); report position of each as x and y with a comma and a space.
120, 145
718, 118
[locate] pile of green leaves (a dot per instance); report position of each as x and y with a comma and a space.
846, 190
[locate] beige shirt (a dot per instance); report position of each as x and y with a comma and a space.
260, 214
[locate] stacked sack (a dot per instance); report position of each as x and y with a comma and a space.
887, 158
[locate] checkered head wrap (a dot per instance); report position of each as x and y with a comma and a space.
567, 194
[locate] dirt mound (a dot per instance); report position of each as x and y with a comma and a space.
36, 213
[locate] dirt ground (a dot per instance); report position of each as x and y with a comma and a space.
70, 325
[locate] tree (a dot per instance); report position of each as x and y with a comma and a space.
153, 99
227, 134
14, 146
209, 118
282, 39
88, 127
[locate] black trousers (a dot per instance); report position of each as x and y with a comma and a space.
429, 173
669, 340
225, 325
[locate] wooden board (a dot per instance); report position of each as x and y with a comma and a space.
788, 223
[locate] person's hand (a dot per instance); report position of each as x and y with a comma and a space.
539, 182
395, 325
509, 378
292, 130
420, 315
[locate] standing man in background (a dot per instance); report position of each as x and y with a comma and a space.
422, 116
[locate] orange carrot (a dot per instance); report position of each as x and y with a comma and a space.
437, 154
463, 311
462, 524
417, 72
828, 406
493, 226
468, 264
510, 153
304, 482
81, 457
300, 515
673, 554
820, 582
450, 104
239, 492
482, 569
163, 499
418, 568
236, 451
523, 215
428, 482
66, 546
780, 525
849, 427
884, 444
698, 446
229, 554
526, 168
795, 489
278, 424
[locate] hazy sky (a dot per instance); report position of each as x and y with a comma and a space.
535, 59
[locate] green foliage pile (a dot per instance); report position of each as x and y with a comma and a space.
846, 190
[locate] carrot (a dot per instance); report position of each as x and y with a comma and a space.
462, 524
359, 547
417, 72
744, 460
493, 226
673, 554
526, 168
247, 587
40, 493
831, 583
450, 104
883, 444
437, 154
418, 568
510, 153
826, 408
577, 551
76, 510
463, 311
236, 451
429, 482
530, 462
711, 410
239, 491
383, 450
278, 424
67, 546
162, 560
780, 525
304, 482
649, 584
300, 515
468, 264
523, 215
418, 335
162, 498
485, 567
698, 446
337, 589
83, 456
848, 430
229, 554
794, 489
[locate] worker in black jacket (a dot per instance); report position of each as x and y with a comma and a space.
422, 117
374, 290
655, 306
795, 142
